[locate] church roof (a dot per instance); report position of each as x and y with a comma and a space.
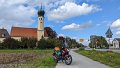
4, 33
25, 32
109, 32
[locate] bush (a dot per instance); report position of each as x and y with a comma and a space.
81, 48
53, 42
1, 46
10, 43
42, 44
49, 43
28, 42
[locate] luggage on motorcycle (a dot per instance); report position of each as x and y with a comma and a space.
56, 48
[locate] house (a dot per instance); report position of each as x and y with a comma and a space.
3, 34
116, 43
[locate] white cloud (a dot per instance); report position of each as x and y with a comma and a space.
71, 9
74, 38
116, 24
118, 29
13, 12
92, 0
75, 26
51, 26
60, 21
61, 35
118, 33
20, 12
98, 24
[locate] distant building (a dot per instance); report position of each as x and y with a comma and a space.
116, 43
3, 34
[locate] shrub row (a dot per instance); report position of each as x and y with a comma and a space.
29, 43
10, 43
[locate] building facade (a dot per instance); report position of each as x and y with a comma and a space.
116, 43
3, 34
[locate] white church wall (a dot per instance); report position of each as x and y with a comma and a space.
1, 40
17, 38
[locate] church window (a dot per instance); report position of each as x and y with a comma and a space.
40, 18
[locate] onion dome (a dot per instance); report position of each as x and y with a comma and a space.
41, 12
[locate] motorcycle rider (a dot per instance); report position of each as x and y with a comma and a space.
60, 52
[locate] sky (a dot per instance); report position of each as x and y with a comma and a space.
78, 19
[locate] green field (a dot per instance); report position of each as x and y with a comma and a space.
27, 59
109, 58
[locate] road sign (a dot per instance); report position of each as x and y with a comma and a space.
81, 40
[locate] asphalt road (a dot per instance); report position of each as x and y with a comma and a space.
80, 61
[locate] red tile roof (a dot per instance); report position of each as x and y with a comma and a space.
25, 32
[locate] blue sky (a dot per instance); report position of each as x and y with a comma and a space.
100, 20
74, 18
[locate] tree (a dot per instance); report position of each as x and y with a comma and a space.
99, 42
49, 43
80, 45
90, 45
72, 43
51, 33
10, 43
42, 44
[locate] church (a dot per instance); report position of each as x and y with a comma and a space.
22, 32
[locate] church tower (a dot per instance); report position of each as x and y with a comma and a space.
40, 29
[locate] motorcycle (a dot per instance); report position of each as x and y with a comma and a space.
62, 54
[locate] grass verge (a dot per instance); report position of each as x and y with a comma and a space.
27, 59
108, 58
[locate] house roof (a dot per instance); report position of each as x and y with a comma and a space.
25, 32
4, 33
118, 39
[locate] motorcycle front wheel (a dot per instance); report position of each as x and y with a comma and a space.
68, 60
